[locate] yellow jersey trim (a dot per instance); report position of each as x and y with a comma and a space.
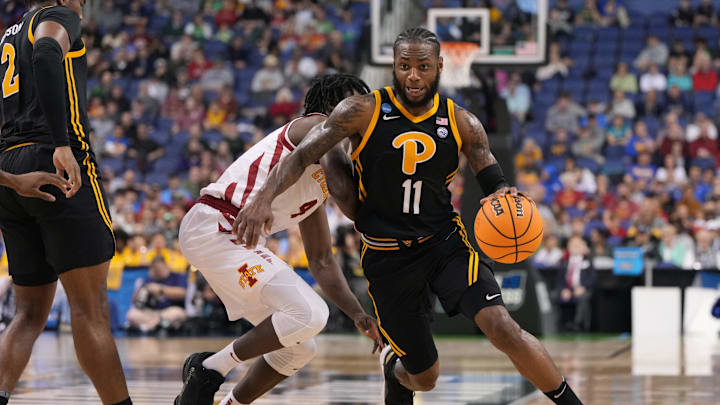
453, 124
20, 145
410, 116
31, 35
393, 345
370, 128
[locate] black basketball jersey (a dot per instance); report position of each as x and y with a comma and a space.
403, 167
23, 121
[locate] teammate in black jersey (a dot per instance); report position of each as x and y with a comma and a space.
406, 140
43, 75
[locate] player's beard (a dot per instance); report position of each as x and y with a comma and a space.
429, 94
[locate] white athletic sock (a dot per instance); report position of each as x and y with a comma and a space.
223, 361
229, 400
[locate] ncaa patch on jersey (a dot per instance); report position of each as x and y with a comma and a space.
386, 108
442, 132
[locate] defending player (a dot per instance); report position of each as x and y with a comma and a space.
256, 284
406, 143
43, 69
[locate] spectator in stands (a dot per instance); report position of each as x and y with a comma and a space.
269, 78
530, 156
117, 145
674, 250
701, 123
158, 300
145, 150
618, 133
559, 147
705, 14
558, 63
564, 114
649, 106
641, 141
679, 77
656, 52
707, 256
621, 105
684, 15
217, 77
676, 102
561, 19
517, 97
671, 172
575, 282
582, 178
623, 79
588, 146
589, 14
175, 191
653, 79
704, 147
704, 77
549, 254
198, 29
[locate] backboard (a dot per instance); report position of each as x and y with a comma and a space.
510, 32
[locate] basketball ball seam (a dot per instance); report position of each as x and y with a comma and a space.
504, 246
512, 219
493, 225
517, 252
532, 212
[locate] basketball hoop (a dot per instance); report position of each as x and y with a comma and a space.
458, 58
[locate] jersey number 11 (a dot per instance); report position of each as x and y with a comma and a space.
409, 187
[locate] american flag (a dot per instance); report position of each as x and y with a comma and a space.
441, 121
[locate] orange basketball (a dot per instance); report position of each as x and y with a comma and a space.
508, 229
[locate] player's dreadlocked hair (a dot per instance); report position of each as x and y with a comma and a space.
327, 91
420, 35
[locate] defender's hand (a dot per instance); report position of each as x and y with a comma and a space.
252, 220
65, 164
367, 325
28, 184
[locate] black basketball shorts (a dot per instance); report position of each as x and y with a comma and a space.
44, 239
404, 281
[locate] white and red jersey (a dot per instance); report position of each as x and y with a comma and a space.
241, 181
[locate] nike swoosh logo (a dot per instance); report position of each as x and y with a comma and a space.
388, 118
561, 392
491, 297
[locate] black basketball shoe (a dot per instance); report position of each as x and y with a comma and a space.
199, 383
395, 393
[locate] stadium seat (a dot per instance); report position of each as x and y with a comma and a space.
155, 177
587, 163
115, 164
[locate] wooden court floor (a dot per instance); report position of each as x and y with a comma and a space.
603, 371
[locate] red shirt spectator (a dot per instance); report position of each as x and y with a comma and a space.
703, 147
705, 80
568, 198
198, 65
226, 15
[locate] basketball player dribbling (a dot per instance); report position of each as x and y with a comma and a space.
254, 283
406, 143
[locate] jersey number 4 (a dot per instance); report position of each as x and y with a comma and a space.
11, 81
409, 187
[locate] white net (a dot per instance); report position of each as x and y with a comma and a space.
458, 58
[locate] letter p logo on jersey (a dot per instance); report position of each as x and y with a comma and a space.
417, 148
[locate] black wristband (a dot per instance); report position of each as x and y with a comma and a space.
491, 179
47, 60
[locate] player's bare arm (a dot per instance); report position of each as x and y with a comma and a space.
339, 174
28, 184
349, 119
476, 148
323, 266
52, 43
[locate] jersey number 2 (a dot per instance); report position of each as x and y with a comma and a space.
11, 81
408, 187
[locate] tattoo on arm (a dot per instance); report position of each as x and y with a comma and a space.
349, 118
476, 146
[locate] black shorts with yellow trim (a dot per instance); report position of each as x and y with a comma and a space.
404, 282
44, 239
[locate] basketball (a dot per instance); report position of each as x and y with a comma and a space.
509, 229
